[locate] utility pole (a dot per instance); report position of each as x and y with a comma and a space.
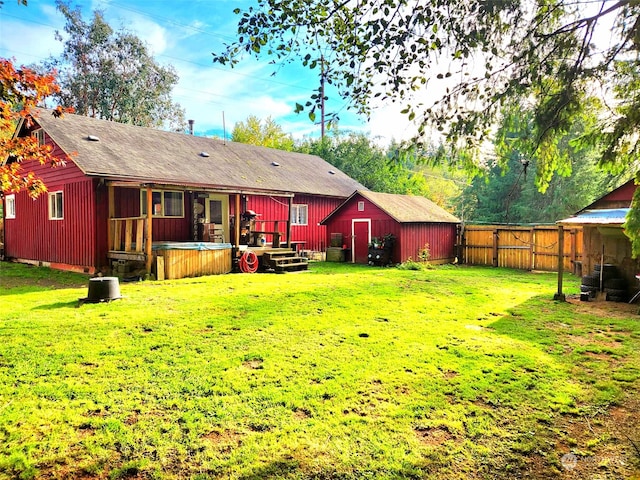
322, 97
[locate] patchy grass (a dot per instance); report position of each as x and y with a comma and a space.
339, 372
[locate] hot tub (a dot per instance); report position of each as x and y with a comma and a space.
191, 259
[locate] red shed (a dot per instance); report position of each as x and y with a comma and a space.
415, 222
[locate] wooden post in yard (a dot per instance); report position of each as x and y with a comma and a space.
149, 232
559, 295
495, 248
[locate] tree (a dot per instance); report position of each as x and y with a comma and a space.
374, 167
21, 90
266, 134
509, 193
486, 55
111, 75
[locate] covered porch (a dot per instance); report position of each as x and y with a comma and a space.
174, 231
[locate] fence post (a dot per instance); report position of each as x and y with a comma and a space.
532, 247
495, 248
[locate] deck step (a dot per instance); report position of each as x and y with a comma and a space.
284, 261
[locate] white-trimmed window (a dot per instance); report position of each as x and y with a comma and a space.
56, 206
299, 214
10, 206
166, 203
39, 135
361, 206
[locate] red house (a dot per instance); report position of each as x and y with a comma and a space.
127, 191
412, 223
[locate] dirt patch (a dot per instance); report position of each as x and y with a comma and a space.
602, 307
433, 436
225, 441
602, 444
302, 413
253, 364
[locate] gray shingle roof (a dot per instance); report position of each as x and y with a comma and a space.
404, 208
128, 152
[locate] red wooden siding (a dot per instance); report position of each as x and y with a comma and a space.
410, 237
276, 208
441, 238
70, 241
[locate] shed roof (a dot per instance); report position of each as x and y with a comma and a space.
128, 152
602, 217
404, 208
617, 198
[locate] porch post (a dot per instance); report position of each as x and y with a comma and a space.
560, 296
236, 224
289, 222
112, 212
149, 230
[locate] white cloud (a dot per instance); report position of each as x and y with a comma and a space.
35, 47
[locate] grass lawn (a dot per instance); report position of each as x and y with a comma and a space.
341, 372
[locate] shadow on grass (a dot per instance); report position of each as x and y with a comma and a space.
54, 306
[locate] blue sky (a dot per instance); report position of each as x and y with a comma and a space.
184, 33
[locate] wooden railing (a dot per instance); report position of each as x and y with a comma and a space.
127, 234
261, 229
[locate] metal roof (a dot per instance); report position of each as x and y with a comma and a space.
404, 208
126, 152
605, 216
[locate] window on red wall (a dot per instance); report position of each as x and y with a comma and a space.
165, 203
39, 135
299, 214
56, 207
10, 204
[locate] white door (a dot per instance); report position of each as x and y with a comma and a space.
217, 211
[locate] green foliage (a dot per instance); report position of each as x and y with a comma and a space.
455, 370
374, 167
521, 188
632, 223
111, 75
544, 55
265, 133
411, 264
424, 254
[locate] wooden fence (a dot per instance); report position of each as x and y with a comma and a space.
525, 248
